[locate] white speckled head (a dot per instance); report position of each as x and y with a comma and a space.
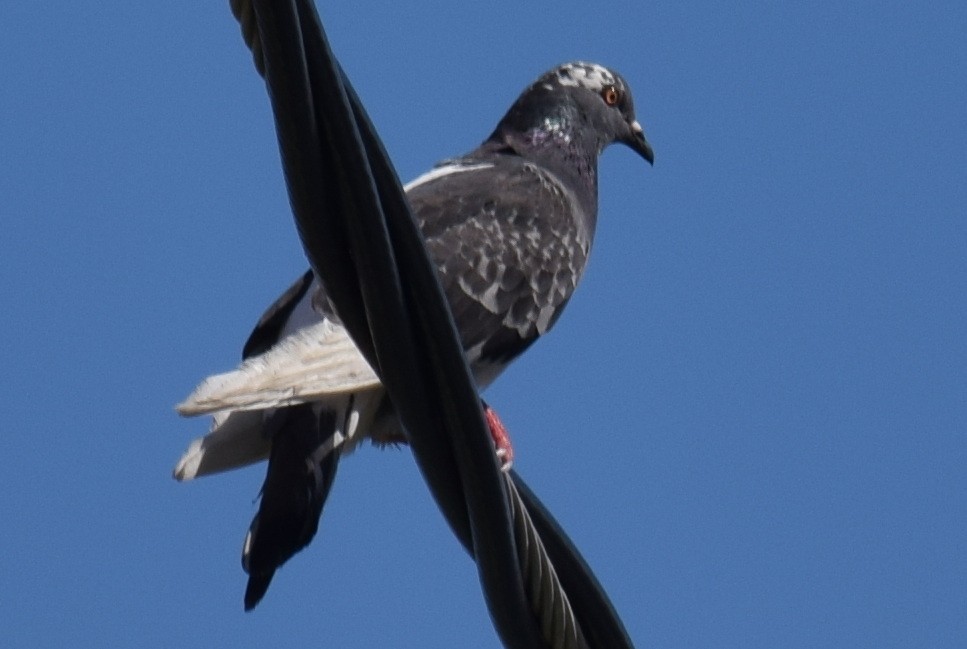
578, 105
576, 74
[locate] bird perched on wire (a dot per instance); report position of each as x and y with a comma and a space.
509, 226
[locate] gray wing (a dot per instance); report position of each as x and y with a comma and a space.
511, 244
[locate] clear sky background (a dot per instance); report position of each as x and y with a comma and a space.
751, 418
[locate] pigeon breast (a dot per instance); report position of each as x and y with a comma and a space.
510, 242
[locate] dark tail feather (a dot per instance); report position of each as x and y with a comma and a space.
302, 466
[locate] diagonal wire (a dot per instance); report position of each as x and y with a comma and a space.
559, 626
334, 199
341, 183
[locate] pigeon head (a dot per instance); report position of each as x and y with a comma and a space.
577, 107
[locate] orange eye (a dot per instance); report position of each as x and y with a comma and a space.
610, 95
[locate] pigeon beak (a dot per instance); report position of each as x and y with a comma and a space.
638, 143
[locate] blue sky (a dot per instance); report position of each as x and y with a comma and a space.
751, 419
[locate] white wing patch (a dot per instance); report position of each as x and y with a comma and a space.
315, 362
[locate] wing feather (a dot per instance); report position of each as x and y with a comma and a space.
314, 362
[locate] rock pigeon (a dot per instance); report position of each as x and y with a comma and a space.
509, 226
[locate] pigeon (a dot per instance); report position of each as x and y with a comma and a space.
509, 226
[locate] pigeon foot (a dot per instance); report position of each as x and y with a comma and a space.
505, 450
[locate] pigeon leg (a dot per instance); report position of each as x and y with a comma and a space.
505, 450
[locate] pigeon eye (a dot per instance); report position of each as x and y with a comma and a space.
610, 95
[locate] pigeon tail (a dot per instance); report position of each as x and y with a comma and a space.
306, 446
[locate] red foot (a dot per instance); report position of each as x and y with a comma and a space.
505, 451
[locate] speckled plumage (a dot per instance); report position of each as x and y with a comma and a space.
509, 226
510, 251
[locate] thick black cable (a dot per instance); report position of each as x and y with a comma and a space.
377, 273
380, 272
411, 368
594, 611
307, 175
